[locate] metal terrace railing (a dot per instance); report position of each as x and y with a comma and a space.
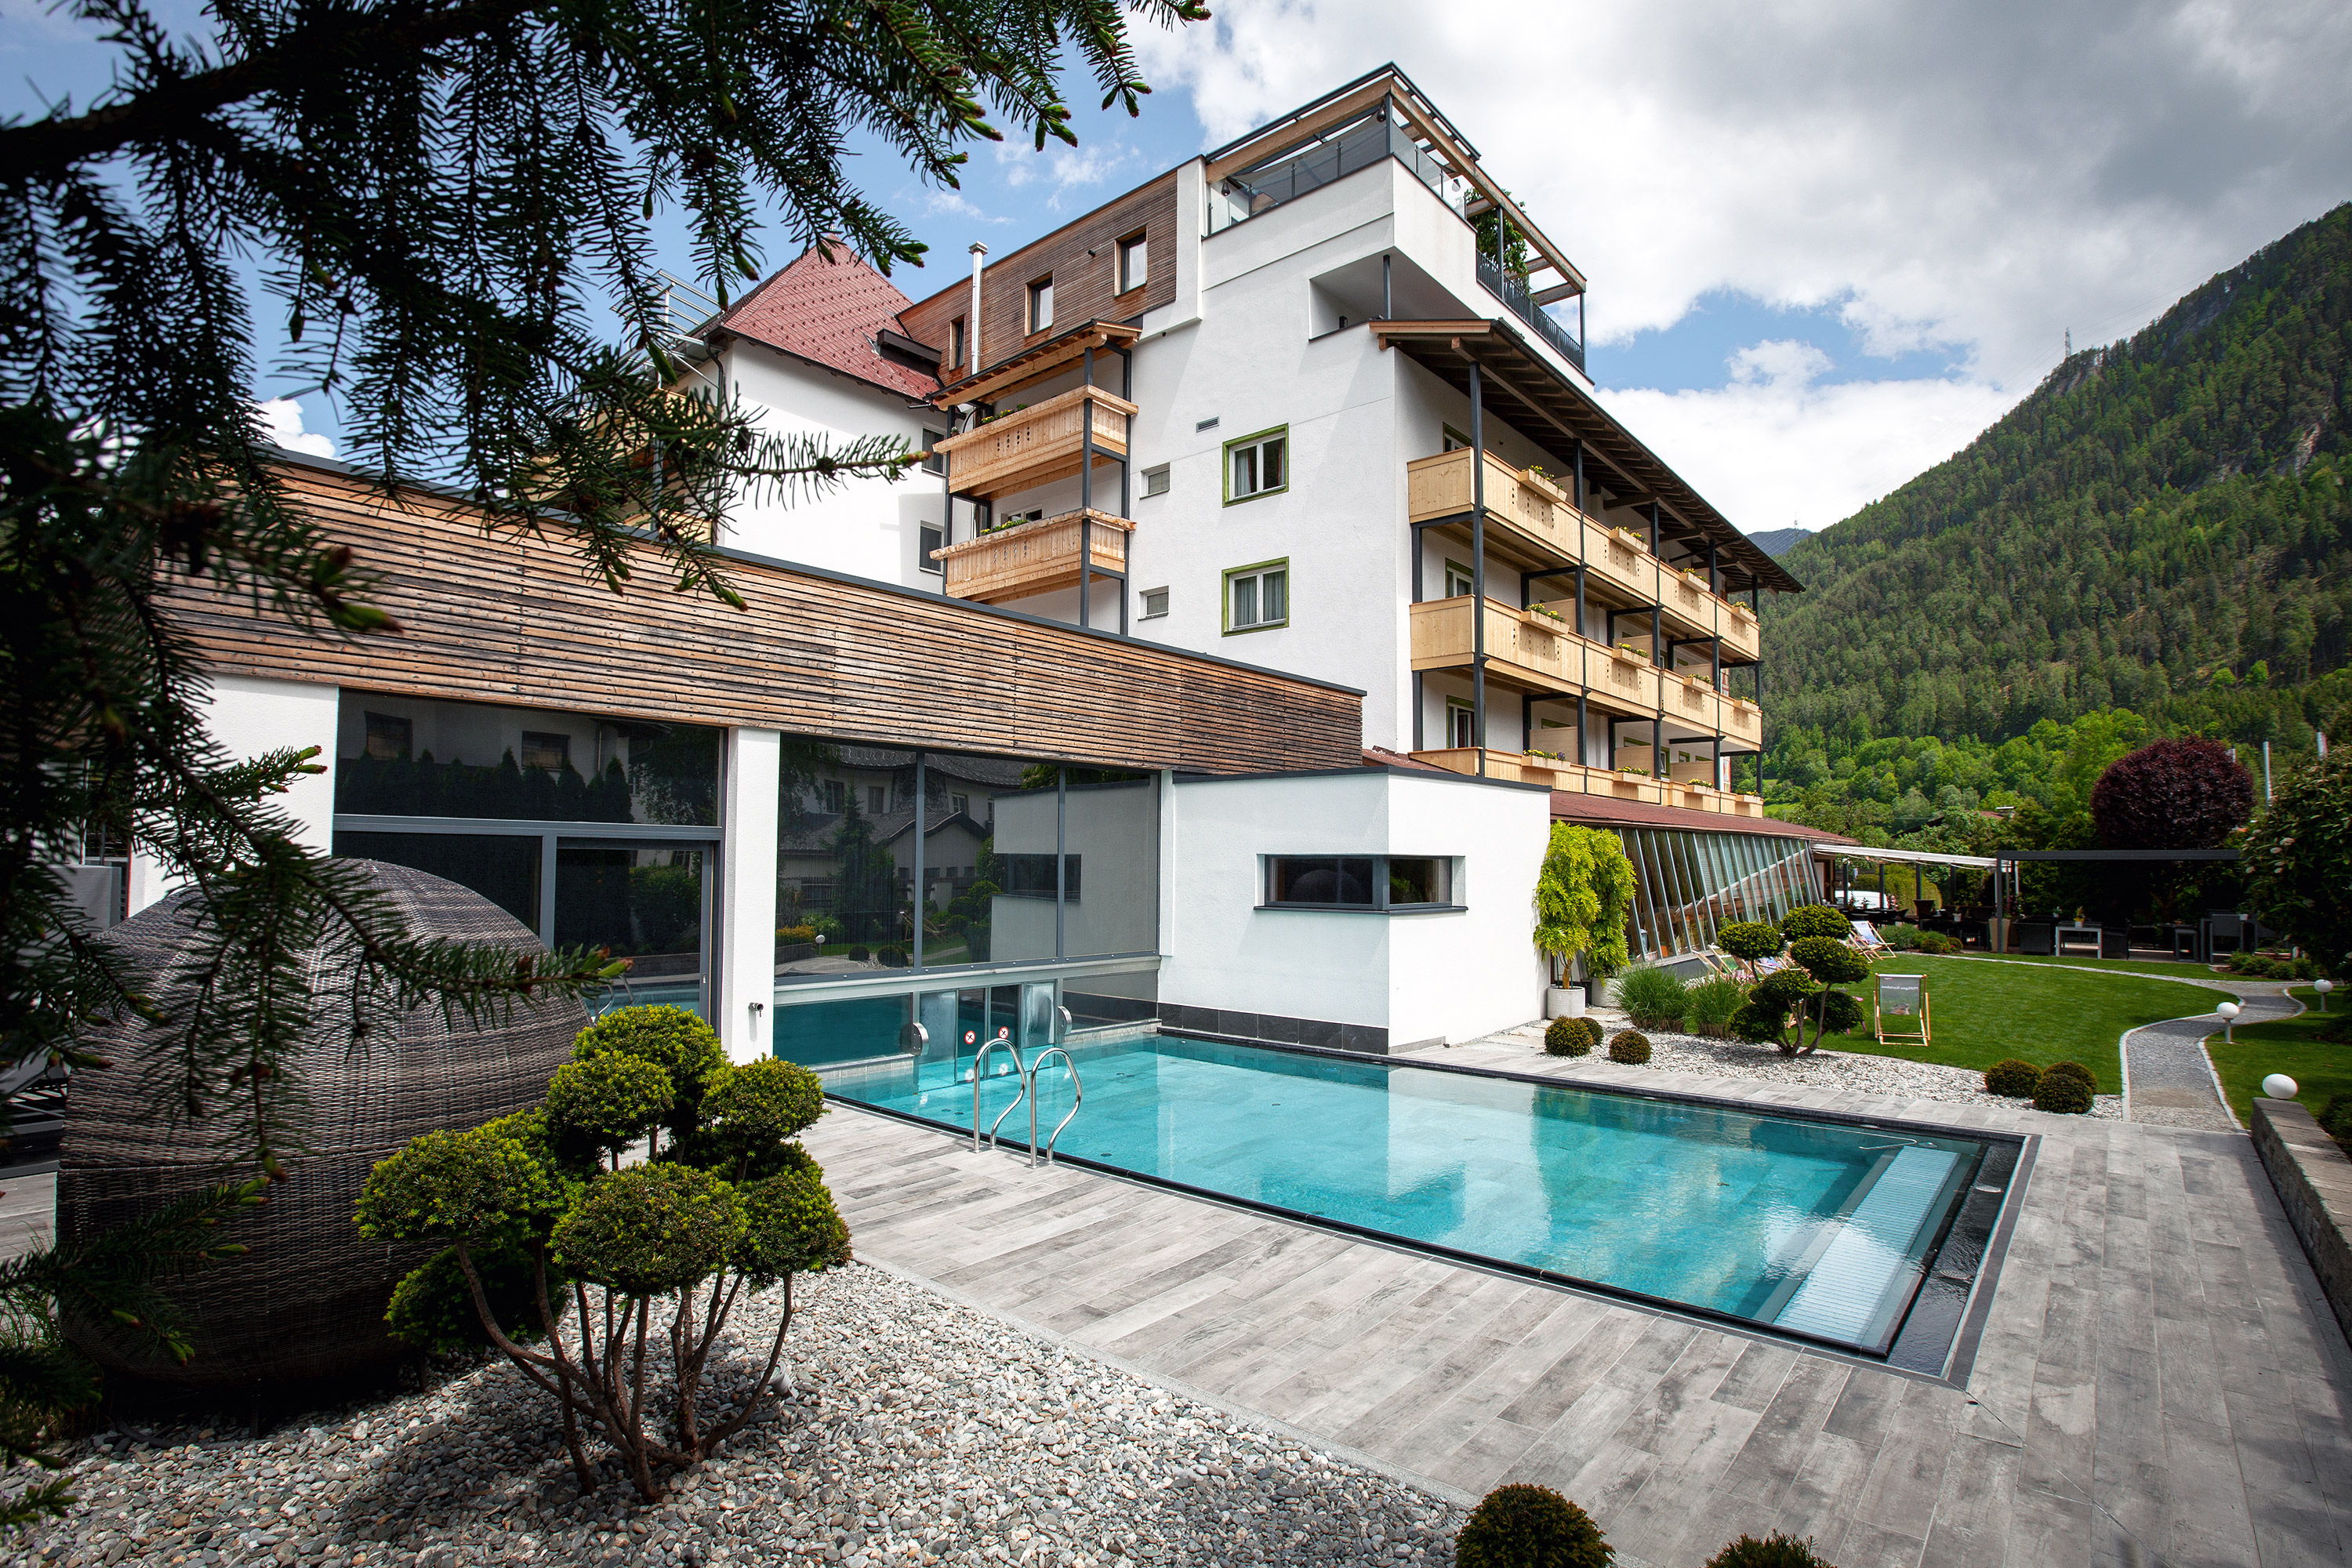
1359, 144
1514, 292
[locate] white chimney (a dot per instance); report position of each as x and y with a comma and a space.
971, 319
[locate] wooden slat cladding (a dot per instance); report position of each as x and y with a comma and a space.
1085, 287
506, 619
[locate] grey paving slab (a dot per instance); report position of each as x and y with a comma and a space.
2157, 1373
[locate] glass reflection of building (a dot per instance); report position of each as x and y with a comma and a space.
1687, 886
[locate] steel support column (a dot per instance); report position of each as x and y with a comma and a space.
1478, 566
1085, 508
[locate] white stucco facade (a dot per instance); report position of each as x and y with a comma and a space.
1444, 975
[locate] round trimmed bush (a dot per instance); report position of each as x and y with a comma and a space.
1829, 961
2063, 1093
2012, 1079
1531, 1527
2075, 1069
1630, 1047
1571, 1037
1749, 939
1775, 1551
1760, 1025
1841, 1013
1815, 920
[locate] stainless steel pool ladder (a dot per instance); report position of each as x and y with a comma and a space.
979, 1073
1078, 1098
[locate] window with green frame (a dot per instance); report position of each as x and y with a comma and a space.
1257, 597
1258, 465
1458, 580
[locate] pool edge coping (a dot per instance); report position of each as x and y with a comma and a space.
1957, 1367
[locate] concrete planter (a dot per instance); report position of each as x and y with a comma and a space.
1564, 1002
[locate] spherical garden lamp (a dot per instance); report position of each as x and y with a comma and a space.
2278, 1086
2229, 1012
308, 1300
2323, 986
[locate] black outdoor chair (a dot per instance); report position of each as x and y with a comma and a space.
2035, 936
2114, 941
2221, 931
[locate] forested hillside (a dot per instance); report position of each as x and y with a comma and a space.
2163, 526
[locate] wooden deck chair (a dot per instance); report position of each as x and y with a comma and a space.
1898, 1009
1866, 940
1719, 963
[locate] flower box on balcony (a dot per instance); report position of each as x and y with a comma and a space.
1626, 536
1630, 656
1743, 611
1544, 488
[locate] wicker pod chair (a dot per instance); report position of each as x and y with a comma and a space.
307, 1301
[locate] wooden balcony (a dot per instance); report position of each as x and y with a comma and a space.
1524, 509
1038, 445
1743, 721
1517, 767
1032, 557
1691, 703
1532, 652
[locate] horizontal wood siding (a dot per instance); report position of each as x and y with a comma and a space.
507, 619
1085, 287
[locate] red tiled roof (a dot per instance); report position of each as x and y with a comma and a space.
1601, 811
827, 313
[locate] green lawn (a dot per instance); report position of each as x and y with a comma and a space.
1984, 1011
2120, 965
2290, 1046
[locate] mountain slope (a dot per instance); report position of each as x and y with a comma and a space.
1776, 541
2159, 516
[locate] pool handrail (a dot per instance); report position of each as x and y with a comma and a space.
1078, 1098
1019, 1073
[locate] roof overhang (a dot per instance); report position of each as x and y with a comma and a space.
1523, 387
1036, 363
1343, 104
1902, 857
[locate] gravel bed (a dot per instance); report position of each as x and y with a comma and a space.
916, 1431
1856, 1072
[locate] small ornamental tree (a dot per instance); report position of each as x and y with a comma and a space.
1750, 942
2298, 860
1832, 964
1581, 893
1815, 920
2172, 794
531, 1208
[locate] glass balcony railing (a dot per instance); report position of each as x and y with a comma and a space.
1339, 153
1514, 292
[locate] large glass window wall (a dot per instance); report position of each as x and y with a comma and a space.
1036, 881
1688, 885
590, 831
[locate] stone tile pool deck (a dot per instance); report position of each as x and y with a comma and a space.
2158, 1378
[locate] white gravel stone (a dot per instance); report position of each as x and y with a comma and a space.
916, 1431
1856, 1072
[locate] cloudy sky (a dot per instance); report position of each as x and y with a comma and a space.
1828, 241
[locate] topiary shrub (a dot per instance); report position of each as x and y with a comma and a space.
2074, 1069
1630, 1047
1749, 939
1815, 920
859, 952
1938, 944
1531, 1527
1830, 963
1571, 1037
730, 1207
1653, 997
672, 1039
1902, 939
1764, 1021
2012, 1079
1775, 1551
2063, 1093
1709, 1006
432, 1308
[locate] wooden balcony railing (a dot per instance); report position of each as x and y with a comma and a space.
1032, 557
1517, 767
1526, 505
1533, 652
1039, 444
1743, 721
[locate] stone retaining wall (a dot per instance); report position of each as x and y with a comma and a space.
2315, 1183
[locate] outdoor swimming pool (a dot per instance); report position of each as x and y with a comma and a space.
1824, 1229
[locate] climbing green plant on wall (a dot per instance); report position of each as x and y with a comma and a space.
1581, 893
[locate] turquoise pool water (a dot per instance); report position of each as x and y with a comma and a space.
1817, 1229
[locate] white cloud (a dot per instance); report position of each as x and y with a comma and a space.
282, 418
1978, 179
1774, 447
1066, 171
